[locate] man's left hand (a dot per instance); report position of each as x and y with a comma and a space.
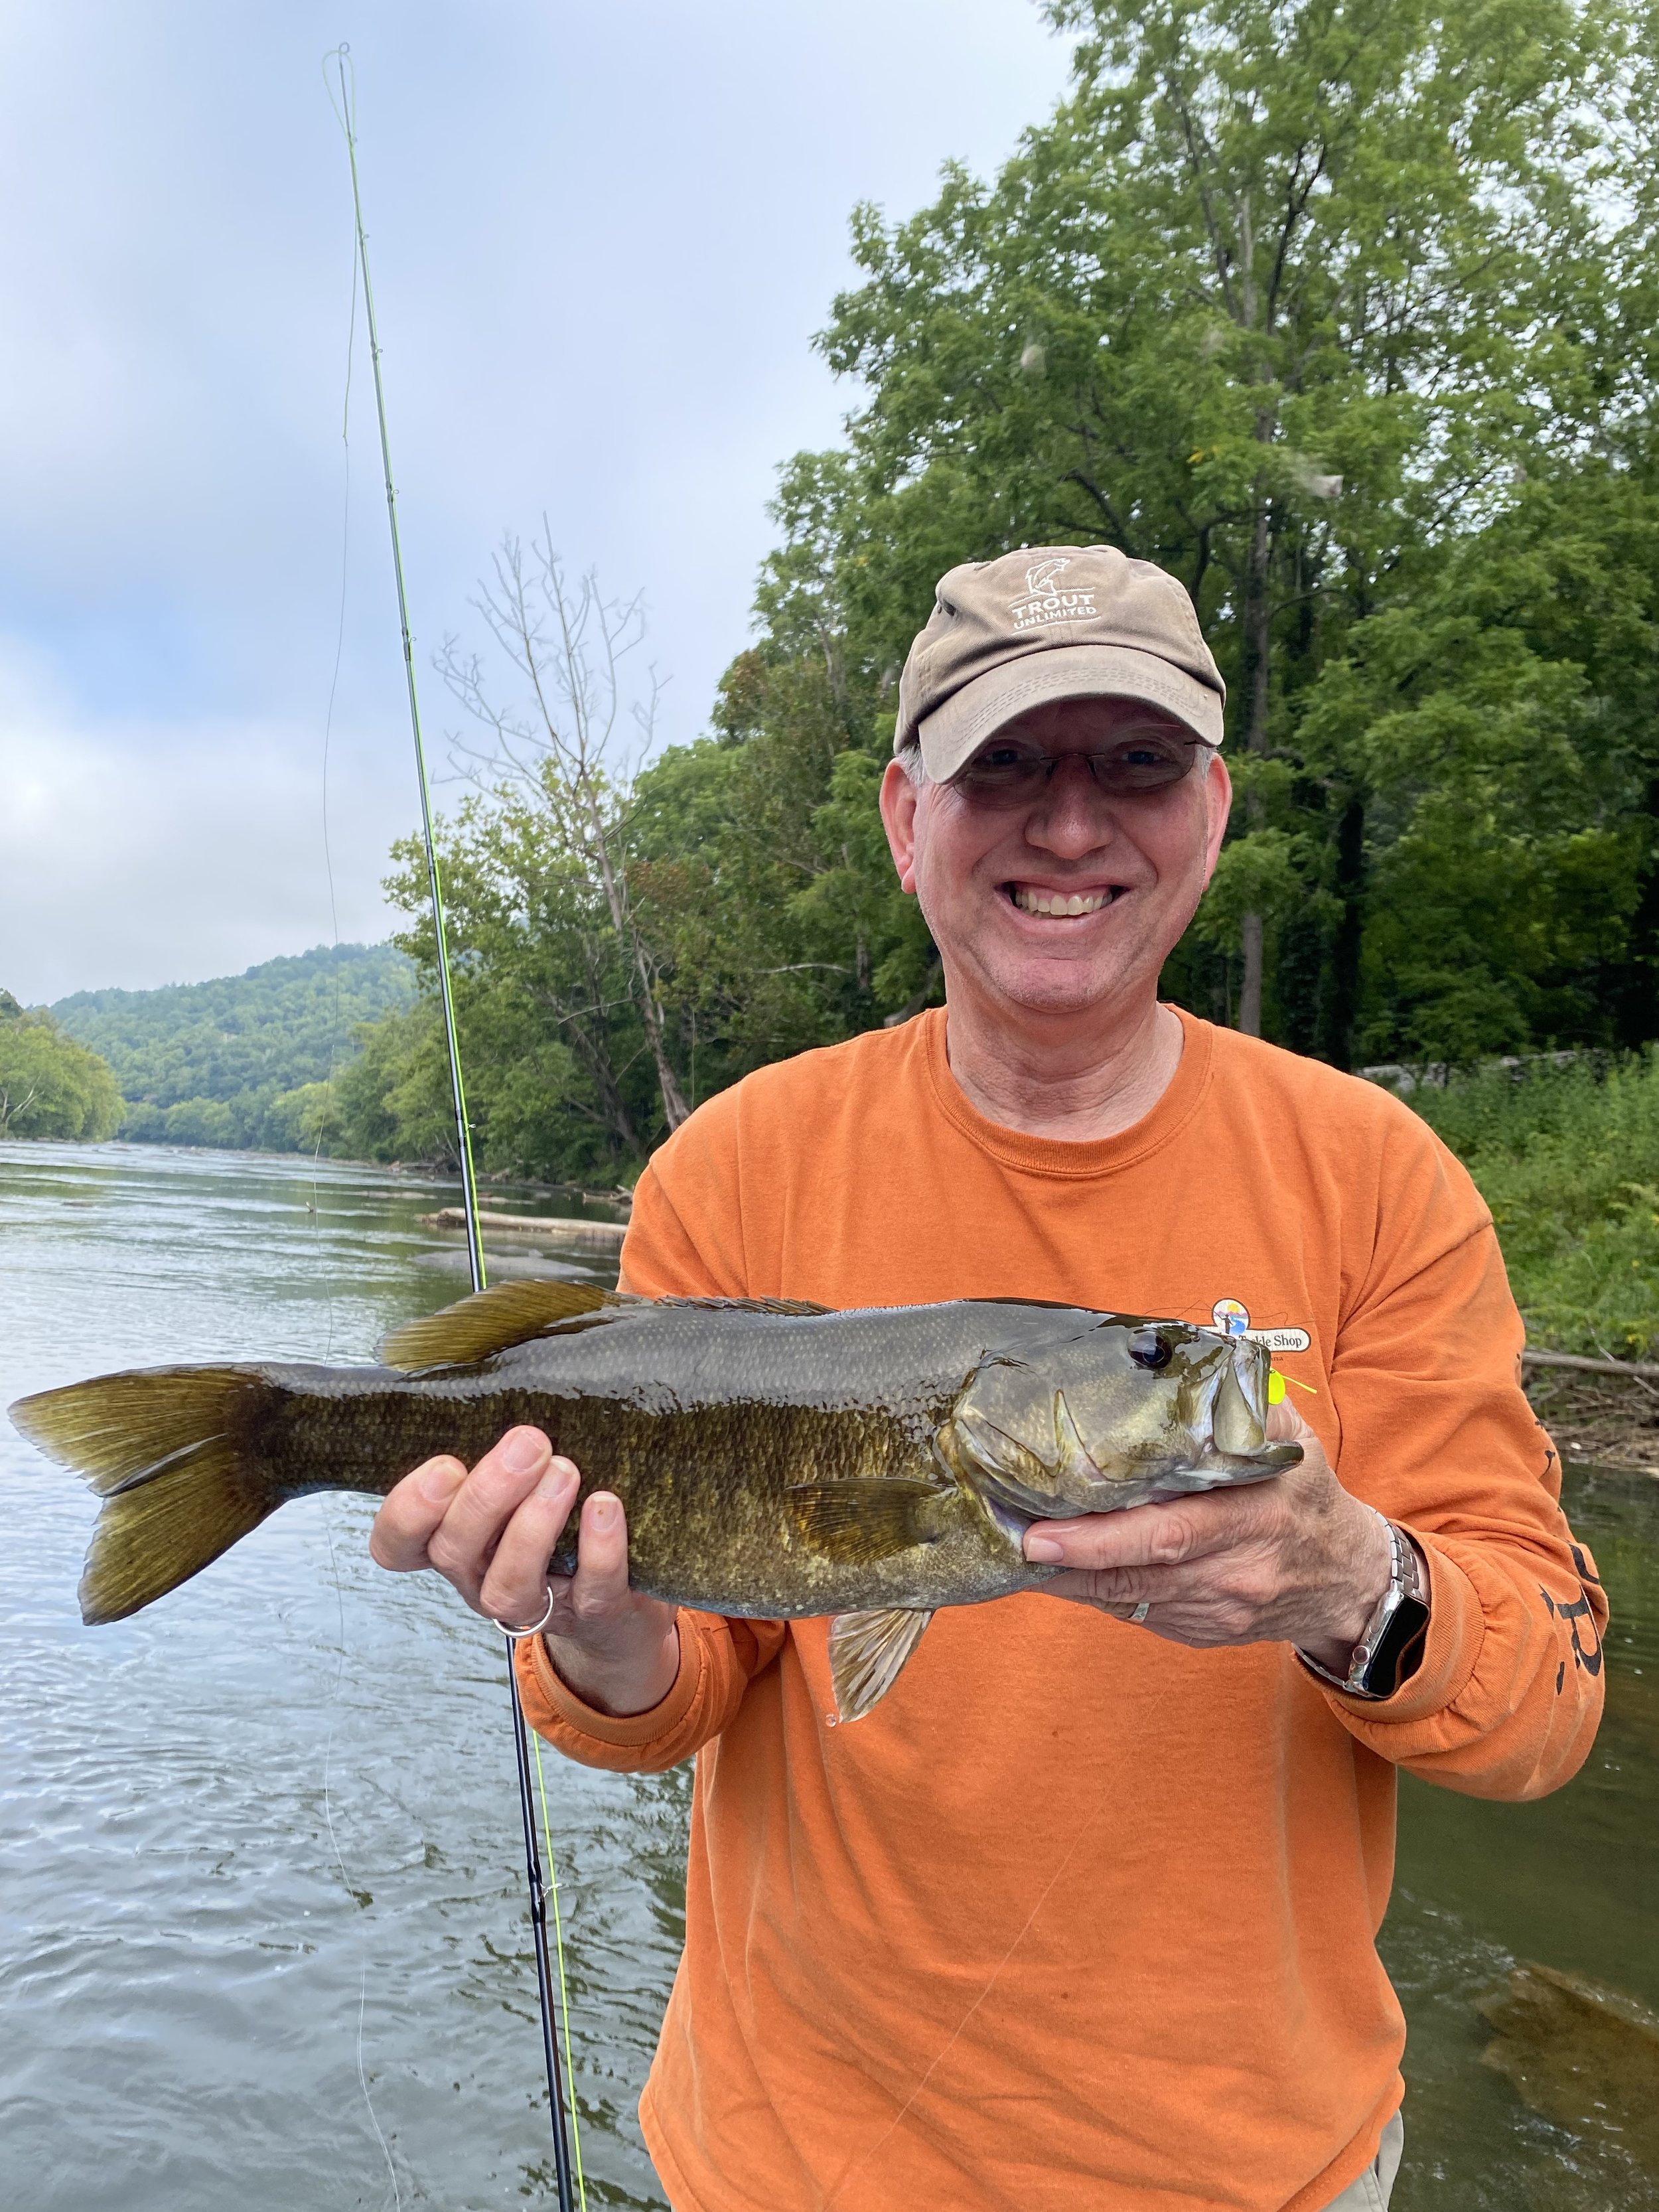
1295, 1559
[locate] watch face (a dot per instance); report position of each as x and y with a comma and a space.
1399, 1650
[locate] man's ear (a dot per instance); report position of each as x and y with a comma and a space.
1219, 800
899, 797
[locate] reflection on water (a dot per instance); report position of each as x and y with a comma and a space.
259, 1848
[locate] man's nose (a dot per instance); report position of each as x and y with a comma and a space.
1073, 814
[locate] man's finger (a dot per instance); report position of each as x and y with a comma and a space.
1144, 1535
412, 1513
599, 1585
465, 1541
514, 1590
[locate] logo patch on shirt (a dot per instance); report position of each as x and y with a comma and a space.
1232, 1317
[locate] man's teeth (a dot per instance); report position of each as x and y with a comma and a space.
1035, 901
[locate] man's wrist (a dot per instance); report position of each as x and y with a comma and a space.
620, 1690
1389, 1647
1358, 1596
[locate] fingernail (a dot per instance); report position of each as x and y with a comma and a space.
558, 1478
1043, 1549
439, 1482
602, 1511
523, 1449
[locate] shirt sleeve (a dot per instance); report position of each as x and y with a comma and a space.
719, 1657
1437, 1433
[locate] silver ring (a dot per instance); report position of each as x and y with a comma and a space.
1141, 1612
535, 1627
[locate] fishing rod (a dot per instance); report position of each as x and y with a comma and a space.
540, 1893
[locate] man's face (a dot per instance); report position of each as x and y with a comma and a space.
985, 869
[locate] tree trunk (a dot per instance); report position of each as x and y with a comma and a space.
1249, 991
1258, 621
674, 1107
1343, 1005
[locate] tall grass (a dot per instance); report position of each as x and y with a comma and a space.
1567, 1158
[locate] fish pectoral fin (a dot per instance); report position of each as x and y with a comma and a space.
494, 1319
867, 1654
864, 1519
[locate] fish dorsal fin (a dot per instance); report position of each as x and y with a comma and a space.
867, 1652
751, 1305
493, 1320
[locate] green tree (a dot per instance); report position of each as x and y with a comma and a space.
50, 1085
1295, 300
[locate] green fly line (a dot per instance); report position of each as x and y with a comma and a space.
558, 1954
541, 1893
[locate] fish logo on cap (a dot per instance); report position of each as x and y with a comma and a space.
1038, 578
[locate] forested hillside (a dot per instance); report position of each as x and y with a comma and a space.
243, 1060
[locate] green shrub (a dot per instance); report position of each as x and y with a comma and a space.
1567, 1158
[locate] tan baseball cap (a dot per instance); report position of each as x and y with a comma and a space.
1051, 621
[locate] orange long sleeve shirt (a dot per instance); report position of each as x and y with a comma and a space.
1078, 1917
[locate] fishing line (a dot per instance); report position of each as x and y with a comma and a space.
339, 1861
345, 112
328, 735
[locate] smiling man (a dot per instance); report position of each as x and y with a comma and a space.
1083, 1914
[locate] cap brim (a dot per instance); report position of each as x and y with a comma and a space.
953, 732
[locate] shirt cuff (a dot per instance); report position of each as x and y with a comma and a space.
618, 1732
1450, 1649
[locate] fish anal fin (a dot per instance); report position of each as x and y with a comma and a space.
864, 1519
868, 1652
494, 1319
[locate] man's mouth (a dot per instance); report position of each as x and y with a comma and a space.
1030, 899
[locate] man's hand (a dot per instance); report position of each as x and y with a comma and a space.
1293, 1560
493, 1531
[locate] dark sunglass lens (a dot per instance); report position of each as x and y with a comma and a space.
1005, 771
1141, 768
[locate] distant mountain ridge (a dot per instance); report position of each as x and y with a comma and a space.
224, 1062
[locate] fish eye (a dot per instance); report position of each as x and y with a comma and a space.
1148, 1349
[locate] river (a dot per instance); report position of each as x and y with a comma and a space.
262, 1930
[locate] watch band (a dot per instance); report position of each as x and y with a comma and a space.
1390, 1650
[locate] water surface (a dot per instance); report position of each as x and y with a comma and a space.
262, 1928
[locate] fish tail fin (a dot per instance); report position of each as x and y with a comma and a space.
174, 1453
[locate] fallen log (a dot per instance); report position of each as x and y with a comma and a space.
1639, 1370
555, 1227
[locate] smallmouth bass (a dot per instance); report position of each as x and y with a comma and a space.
775, 1459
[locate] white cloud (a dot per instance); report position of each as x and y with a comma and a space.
602, 239
134, 854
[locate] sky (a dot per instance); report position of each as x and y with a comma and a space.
600, 239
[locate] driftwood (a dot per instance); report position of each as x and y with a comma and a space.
556, 1229
1636, 1370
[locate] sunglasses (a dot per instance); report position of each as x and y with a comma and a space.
1006, 771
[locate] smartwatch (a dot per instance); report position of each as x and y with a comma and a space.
1391, 1649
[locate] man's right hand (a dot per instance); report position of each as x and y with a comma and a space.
491, 1533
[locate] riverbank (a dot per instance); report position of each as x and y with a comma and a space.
1602, 1419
